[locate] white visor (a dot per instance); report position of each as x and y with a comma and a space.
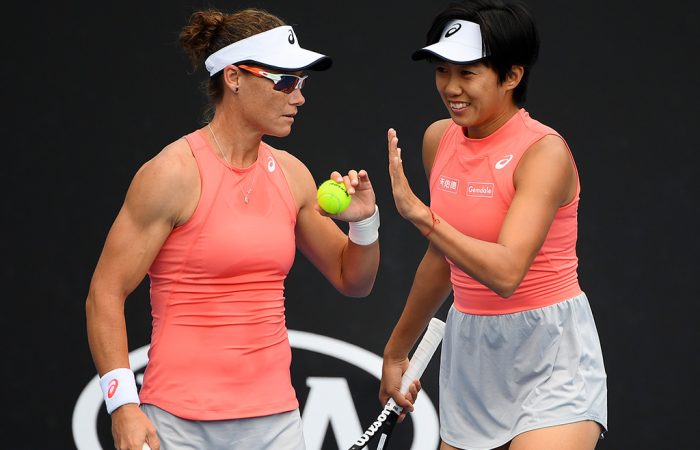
460, 43
277, 48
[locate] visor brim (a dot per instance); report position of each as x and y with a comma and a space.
298, 60
450, 52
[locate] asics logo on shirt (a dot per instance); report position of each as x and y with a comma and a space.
290, 38
503, 162
271, 164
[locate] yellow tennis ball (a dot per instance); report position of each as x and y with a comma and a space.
332, 197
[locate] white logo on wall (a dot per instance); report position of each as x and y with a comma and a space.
329, 402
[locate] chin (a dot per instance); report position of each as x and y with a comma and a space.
461, 121
280, 132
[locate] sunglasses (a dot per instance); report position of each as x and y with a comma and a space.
284, 82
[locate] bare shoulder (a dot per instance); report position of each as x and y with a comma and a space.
166, 183
431, 140
174, 161
548, 167
550, 150
172, 167
435, 130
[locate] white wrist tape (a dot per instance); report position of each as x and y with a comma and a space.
119, 388
365, 231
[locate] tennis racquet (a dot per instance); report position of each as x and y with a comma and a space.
384, 423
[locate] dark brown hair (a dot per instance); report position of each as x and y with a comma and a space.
210, 30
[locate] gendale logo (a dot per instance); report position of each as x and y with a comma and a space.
329, 400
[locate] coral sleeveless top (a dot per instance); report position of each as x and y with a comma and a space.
471, 187
219, 347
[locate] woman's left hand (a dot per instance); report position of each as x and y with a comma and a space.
360, 189
407, 203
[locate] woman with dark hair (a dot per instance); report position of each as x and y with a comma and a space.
521, 364
215, 220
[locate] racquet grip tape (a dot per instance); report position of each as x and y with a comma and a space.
421, 357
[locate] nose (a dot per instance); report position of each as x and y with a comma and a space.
452, 86
296, 98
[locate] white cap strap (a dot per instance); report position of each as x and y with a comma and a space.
119, 388
277, 48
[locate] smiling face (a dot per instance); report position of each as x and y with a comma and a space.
263, 108
474, 96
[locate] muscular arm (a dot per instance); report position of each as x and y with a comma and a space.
349, 267
154, 204
162, 195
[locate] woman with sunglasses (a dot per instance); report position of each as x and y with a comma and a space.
521, 365
215, 220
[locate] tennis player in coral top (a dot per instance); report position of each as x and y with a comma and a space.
521, 364
215, 220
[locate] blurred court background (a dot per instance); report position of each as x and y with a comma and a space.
92, 90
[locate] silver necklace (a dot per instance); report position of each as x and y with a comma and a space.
246, 193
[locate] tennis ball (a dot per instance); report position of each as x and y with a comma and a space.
332, 197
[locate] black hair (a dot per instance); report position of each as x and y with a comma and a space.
509, 33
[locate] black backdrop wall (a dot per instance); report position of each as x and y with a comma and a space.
93, 91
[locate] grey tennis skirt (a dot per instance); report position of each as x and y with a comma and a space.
278, 431
503, 375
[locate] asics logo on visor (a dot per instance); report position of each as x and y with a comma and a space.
453, 30
290, 38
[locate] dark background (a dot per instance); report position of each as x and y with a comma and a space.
94, 89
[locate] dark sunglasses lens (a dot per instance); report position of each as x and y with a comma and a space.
286, 84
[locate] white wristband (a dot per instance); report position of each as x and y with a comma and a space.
365, 231
119, 388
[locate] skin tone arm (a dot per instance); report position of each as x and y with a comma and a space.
162, 194
544, 181
350, 268
431, 286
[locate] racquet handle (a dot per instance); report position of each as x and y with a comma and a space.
384, 423
421, 357
146, 447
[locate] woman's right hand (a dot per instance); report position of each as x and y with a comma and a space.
390, 387
131, 429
